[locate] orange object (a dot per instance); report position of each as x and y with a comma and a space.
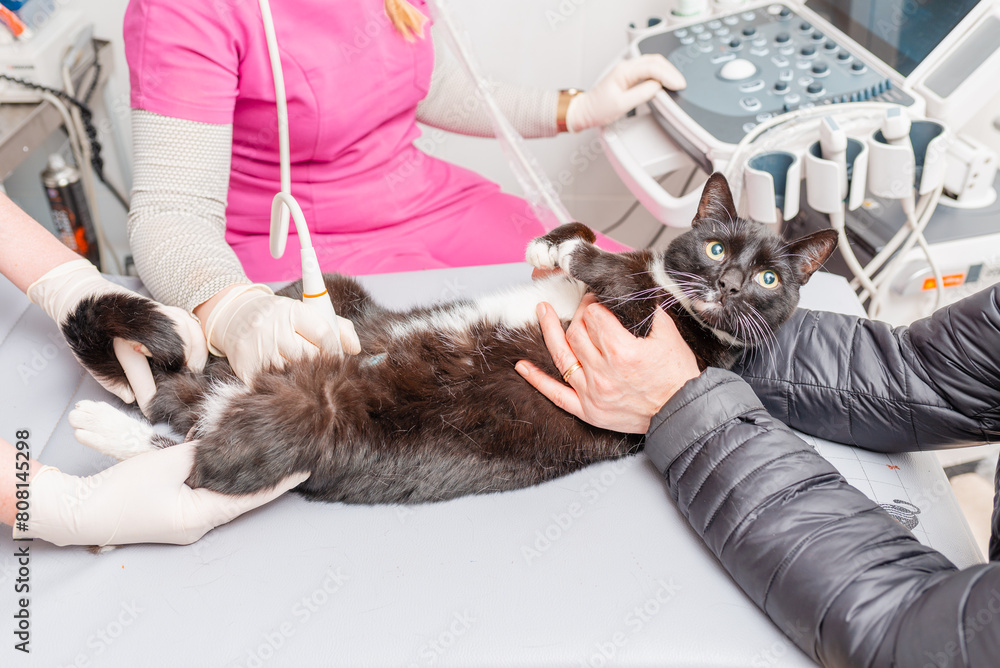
12, 21
950, 281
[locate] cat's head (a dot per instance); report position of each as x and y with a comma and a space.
735, 274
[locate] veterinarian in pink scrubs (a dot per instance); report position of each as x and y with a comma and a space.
359, 75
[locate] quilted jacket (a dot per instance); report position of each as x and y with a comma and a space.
844, 580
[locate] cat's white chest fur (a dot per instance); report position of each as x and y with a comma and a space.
511, 308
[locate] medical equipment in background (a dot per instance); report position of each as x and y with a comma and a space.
70, 213
43, 67
765, 79
538, 189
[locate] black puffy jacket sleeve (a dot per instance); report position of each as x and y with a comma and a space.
845, 581
932, 385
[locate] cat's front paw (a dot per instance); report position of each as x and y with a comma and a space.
110, 431
555, 249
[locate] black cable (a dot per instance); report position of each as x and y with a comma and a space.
86, 116
635, 205
684, 189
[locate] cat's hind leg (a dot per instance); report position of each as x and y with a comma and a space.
110, 431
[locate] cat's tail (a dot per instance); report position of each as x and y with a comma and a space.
92, 327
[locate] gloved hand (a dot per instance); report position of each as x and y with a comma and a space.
253, 328
60, 290
141, 500
631, 83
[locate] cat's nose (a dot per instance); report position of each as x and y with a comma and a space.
730, 281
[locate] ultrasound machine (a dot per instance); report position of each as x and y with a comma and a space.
865, 116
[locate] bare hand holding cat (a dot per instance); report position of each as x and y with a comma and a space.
623, 380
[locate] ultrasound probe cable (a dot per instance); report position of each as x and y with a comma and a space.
314, 294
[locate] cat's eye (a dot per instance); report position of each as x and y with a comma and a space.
715, 250
768, 279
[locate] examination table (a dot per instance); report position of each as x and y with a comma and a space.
596, 568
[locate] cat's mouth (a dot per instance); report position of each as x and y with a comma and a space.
709, 311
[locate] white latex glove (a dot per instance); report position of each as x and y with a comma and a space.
141, 500
632, 82
253, 327
60, 290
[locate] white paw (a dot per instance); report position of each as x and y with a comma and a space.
564, 252
110, 431
541, 254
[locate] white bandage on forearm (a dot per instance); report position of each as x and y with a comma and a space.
453, 104
177, 221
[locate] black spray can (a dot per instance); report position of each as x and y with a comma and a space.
70, 213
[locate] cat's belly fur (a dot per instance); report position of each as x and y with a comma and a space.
432, 409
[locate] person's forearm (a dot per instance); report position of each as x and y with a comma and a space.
862, 382
27, 250
14, 469
844, 580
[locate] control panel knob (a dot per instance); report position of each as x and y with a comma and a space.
843, 55
781, 37
818, 37
814, 88
785, 13
858, 66
749, 31
808, 51
820, 68
830, 46
735, 43
737, 69
781, 86
805, 27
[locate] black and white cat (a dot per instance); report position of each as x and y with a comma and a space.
432, 408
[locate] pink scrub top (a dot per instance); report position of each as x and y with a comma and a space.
373, 201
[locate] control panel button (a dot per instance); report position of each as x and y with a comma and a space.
780, 61
697, 29
749, 16
808, 51
749, 31
820, 69
784, 13
815, 88
781, 37
818, 37
781, 87
704, 47
830, 46
805, 26
687, 39
752, 86
792, 99
843, 56
750, 103
705, 36
722, 32
786, 75
759, 51
731, 20
714, 24
681, 32
735, 43
720, 58
858, 67
738, 69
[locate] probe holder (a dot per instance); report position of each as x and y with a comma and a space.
896, 170
823, 180
772, 180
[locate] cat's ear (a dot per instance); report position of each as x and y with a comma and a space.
716, 202
810, 252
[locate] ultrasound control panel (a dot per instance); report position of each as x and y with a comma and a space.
745, 67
